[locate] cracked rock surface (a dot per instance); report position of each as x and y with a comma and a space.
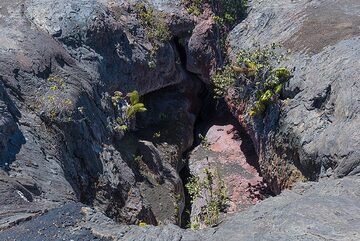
326, 210
316, 128
67, 174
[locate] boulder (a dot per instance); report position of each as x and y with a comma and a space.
61, 62
315, 129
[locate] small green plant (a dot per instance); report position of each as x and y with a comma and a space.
194, 187
204, 141
157, 135
227, 14
230, 10
254, 73
156, 28
195, 224
227, 11
213, 189
217, 200
177, 203
116, 98
211, 213
138, 158
152, 63
142, 224
135, 105
58, 107
223, 80
194, 6
57, 82
126, 107
154, 22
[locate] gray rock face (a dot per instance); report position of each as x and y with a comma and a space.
202, 52
317, 127
61, 61
10, 137
312, 211
328, 210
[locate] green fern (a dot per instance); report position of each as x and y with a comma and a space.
123, 123
133, 109
134, 97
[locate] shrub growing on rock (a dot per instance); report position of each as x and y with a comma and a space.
126, 108
253, 75
227, 11
56, 106
156, 28
211, 188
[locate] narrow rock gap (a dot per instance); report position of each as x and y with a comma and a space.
181, 51
216, 113
185, 175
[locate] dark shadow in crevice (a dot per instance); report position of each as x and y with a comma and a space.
185, 176
181, 51
216, 112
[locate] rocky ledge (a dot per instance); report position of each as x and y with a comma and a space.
326, 210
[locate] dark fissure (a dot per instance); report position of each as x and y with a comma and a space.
215, 112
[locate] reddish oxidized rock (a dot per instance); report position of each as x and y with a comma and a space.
226, 155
